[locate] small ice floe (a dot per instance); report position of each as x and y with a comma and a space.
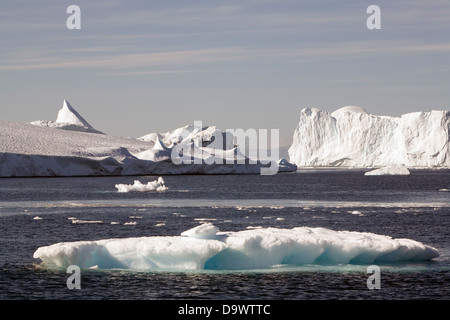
161, 224
444, 190
157, 185
115, 222
37, 218
130, 223
356, 213
389, 170
280, 219
135, 217
75, 221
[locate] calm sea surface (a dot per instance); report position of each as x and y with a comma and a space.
414, 206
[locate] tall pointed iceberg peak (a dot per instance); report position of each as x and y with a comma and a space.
68, 119
68, 114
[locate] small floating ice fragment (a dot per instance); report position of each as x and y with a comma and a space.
389, 170
356, 213
86, 221
157, 185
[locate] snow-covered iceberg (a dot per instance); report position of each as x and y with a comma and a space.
204, 247
390, 170
156, 185
68, 119
352, 137
42, 149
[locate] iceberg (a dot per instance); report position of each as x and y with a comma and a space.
68, 119
389, 170
70, 146
205, 247
157, 185
352, 137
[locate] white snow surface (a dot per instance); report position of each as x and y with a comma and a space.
352, 137
390, 170
156, 185
204, 247
42, 149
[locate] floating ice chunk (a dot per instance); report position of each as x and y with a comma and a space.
130, 223
204, 247
284, 165
157, 185
203, 231
389, 170
75, 221
37, 218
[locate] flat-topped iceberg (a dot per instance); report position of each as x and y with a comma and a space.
352, 137
204, 247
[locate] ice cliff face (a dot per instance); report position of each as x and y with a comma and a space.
352, 137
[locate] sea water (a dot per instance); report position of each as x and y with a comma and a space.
36, 212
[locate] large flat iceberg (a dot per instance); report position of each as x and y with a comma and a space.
70, 146
204, 247
352, 137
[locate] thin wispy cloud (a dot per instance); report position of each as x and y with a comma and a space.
208, 56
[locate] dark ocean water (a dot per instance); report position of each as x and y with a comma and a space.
414, 207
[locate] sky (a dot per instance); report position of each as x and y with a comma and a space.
137, 67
